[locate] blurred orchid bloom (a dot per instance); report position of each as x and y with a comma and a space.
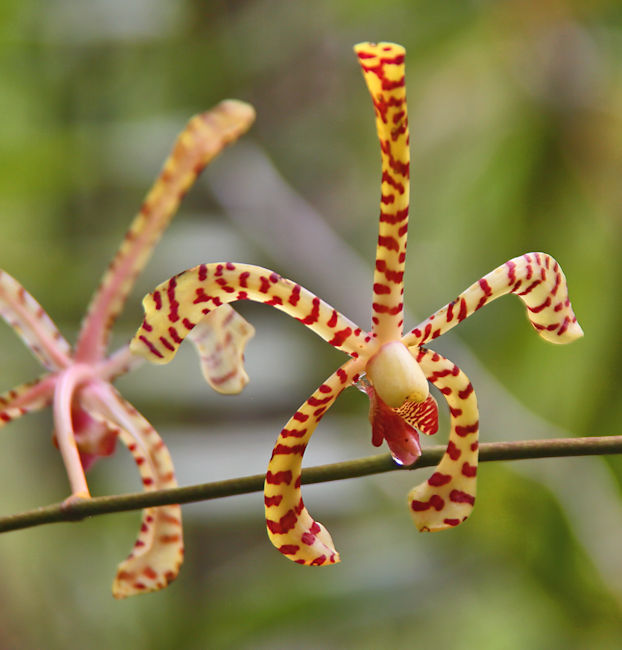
89, 414
393, 369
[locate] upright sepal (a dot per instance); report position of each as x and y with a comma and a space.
383, 70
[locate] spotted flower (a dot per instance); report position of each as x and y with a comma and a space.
394, 369
89, 414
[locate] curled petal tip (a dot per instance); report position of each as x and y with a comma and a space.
368, 47
310, 545
573, 332
220, 339
244, 112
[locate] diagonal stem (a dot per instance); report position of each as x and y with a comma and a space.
492, 451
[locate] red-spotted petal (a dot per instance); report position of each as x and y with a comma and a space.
446, 499
204, 137
176, 306
383, 70
536, 278
291, 528
26, 316
220, 339
26, 398
158, 552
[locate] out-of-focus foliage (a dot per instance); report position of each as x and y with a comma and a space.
516, 143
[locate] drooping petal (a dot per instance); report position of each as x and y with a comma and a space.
26, 398
220, 339
26, 316
157, 555
178, 305
446, 499
536, 278
387, 424
204, 137
291, 528
383, 70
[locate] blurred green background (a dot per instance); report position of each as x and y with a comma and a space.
516, 143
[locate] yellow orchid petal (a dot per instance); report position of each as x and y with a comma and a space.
220, 339
158, 552
536, 278
383, 70
290, 526
178, 305
446, 499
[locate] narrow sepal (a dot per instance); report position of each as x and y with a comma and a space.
536, 278
220, 339
157, 555
291, 528
26, 398
158, 551
177, 305
446, 499
26, 316
383, 70
204, 137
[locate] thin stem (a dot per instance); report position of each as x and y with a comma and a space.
68, 382
492, 451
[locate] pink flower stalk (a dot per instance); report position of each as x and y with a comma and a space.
89, 414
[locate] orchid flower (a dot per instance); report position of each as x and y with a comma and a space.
89, 414
394, 369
